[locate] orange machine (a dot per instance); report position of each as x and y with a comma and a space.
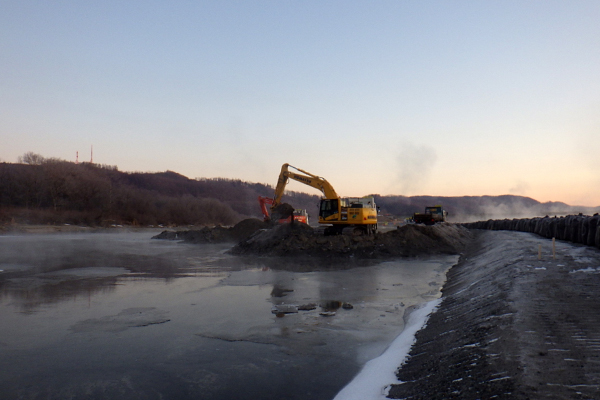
299, 215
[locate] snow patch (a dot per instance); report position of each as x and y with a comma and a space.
374, 380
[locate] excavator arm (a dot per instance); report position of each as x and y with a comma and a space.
304, 177
263, 201
359, 213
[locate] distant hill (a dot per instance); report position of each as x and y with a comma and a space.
475, 208
57, 191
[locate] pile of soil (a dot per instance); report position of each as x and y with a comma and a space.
217, 234
300, 240
258, 238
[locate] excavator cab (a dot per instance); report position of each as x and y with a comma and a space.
359, 213
328, 207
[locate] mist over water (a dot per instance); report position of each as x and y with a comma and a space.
517, 209
120, 316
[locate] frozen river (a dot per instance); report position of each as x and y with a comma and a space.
120, 316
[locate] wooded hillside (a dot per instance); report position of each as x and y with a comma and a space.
51, 191
57, 191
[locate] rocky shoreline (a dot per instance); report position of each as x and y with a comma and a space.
511, 325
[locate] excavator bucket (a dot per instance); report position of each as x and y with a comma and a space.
282, 211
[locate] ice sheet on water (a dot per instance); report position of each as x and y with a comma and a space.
89, 272
587, 270
10, 267
375, 378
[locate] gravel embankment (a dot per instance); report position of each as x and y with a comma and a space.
511, 326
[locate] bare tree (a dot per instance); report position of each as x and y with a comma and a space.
31, 158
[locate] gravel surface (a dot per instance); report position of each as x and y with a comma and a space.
511, 325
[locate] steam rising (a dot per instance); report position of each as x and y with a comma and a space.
415, 164
520, 187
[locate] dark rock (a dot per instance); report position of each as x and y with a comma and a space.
307, 307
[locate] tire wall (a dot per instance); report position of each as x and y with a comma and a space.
573, 228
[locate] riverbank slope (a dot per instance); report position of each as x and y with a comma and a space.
511, 325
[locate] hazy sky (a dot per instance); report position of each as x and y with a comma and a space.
444, 98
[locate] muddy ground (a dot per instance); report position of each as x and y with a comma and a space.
511, 326
256, 238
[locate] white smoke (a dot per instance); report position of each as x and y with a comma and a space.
415, 163
520, 188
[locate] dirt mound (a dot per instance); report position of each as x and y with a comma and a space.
217, 234
282, 211
299, 240
419, 239
247, 227
256, 237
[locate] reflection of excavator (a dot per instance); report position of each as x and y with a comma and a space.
357, 212
298, 215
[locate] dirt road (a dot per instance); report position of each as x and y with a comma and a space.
512, 326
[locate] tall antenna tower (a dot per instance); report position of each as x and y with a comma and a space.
76, 157
92, 155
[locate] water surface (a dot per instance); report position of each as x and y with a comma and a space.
121, 316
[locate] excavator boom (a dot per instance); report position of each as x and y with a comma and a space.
359, 212
305, 177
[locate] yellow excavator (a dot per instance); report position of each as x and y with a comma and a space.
359, 213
